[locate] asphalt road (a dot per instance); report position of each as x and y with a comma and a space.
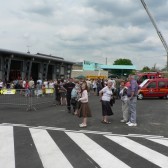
152, 120
152, 117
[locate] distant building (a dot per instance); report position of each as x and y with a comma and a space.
88, 68
19, 65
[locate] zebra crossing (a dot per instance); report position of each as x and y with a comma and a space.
61, 148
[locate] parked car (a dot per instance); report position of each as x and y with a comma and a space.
153, 88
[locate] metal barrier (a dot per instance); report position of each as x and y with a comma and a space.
28, 98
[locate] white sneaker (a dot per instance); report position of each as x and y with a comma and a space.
82, 125
128, 122
132, 124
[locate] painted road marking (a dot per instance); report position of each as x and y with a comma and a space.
7, 154
50, 154
102, 157
160, 141
143, 151
85, 131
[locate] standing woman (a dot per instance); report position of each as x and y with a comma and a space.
94, 86
106, 94
124, 100
57, 93
84, 110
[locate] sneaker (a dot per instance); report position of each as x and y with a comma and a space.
123, 121
128, 122
82, 125
132, 124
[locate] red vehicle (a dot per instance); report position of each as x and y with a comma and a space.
157, 87
148, 75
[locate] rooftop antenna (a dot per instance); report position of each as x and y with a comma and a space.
157, 30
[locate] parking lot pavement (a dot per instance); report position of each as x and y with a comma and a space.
51, 136
25, 146
152, 117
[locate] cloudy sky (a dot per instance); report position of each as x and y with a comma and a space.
91, 30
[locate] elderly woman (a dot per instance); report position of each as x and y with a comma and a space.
106, 94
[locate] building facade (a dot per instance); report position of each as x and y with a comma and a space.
93, 70
89, 70
18, 65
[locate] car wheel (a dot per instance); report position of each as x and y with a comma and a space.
140, 96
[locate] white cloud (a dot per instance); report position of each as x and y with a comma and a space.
86, 29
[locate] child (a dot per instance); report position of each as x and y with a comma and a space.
84, 110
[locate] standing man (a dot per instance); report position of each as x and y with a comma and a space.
89, 86
40, 82
31, 86
132, 95
99, 86
69, 86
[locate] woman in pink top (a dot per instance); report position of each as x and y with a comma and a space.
84, 110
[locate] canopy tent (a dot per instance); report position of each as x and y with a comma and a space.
80, 77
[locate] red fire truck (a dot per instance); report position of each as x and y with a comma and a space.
148, 75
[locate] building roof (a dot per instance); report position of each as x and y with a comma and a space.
88, 65
38, 55
130, 67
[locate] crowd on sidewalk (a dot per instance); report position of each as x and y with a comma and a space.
76, 98
74, 94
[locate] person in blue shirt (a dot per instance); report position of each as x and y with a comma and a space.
132, 93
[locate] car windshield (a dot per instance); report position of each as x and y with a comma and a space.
143, 83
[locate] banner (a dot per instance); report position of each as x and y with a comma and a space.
49, 91
8, 91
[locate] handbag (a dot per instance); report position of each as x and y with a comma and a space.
112, 100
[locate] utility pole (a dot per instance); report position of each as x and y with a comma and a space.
157, 30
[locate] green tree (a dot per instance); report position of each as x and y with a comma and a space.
146, 69
122, 62
123, 71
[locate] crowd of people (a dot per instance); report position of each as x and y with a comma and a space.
28, 87
74, 94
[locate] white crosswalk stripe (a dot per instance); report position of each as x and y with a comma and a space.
141, 150
95, 151
51, 154
7, 157
160, 141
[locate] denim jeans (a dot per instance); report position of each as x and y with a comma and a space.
132, 109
